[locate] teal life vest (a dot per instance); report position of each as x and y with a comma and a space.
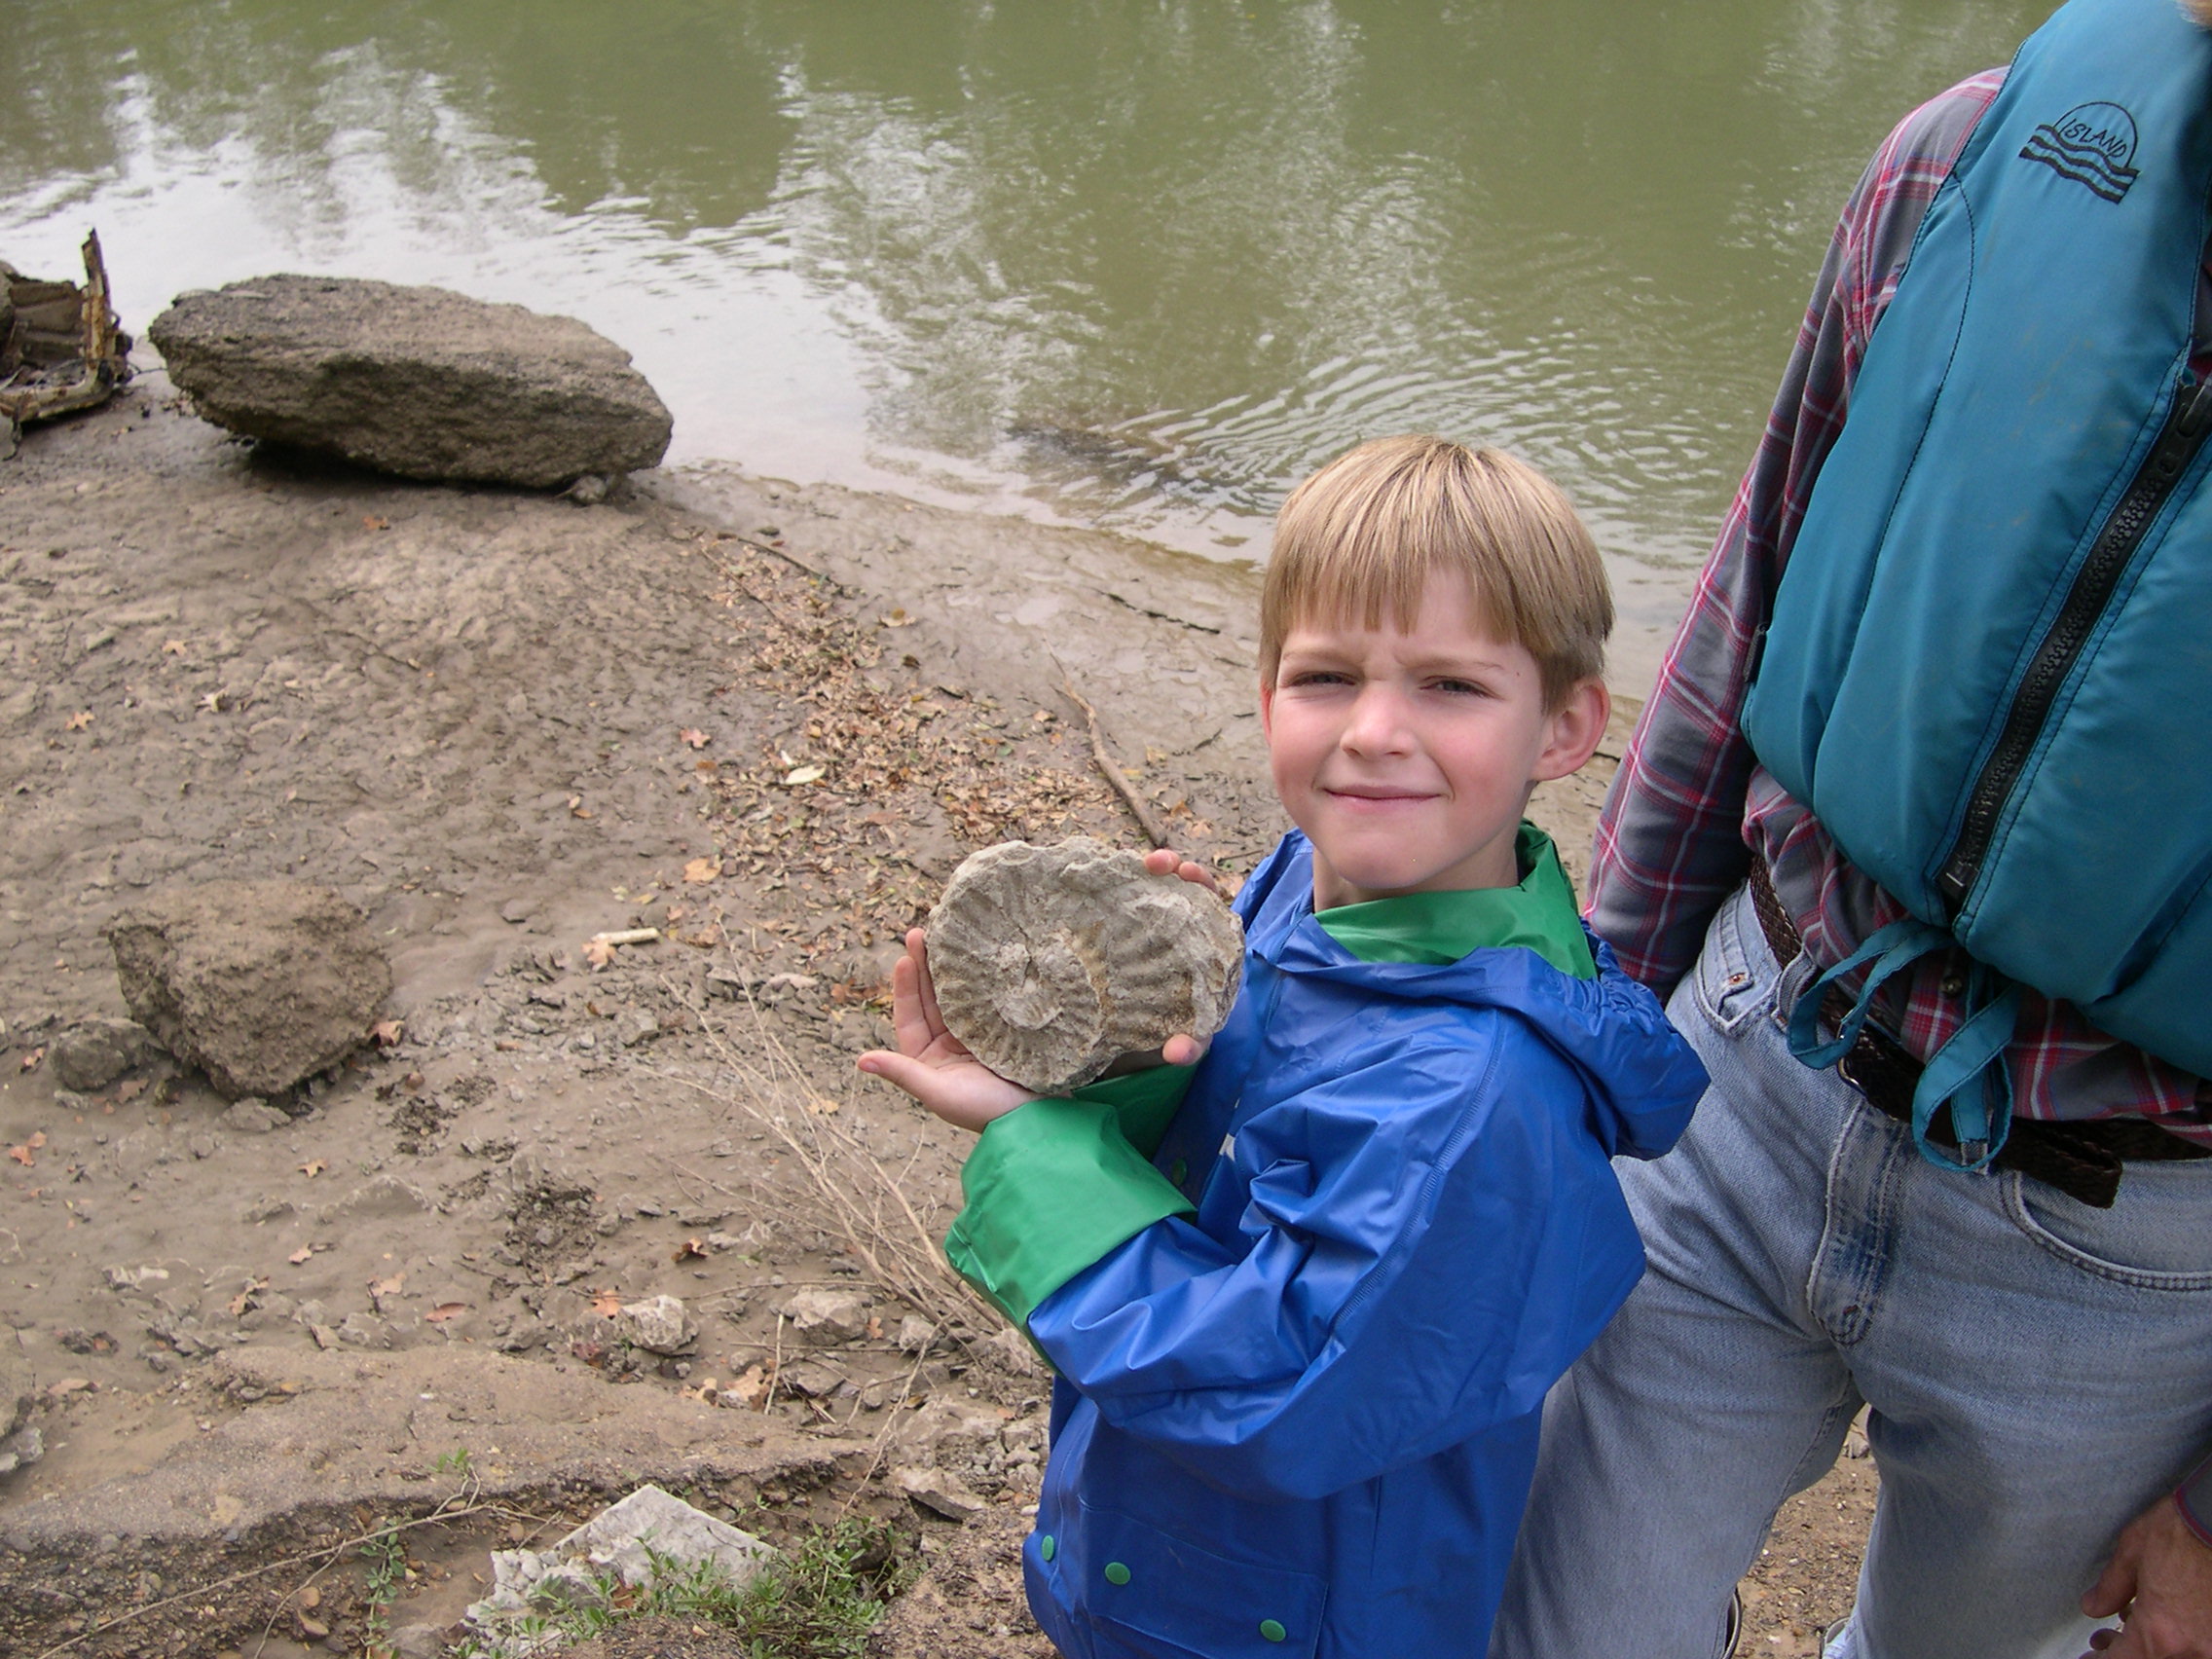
1989, 661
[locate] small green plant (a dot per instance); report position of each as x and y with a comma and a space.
454, 1462
819, 1601
384, 1561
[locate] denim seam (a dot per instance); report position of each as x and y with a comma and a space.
2139, 1278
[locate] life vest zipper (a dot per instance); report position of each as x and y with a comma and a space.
2061, 648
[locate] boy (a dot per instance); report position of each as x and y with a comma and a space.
1305, 1298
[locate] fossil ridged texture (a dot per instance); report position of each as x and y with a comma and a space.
1050, 963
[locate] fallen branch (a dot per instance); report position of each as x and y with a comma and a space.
325, 1554
1110, 769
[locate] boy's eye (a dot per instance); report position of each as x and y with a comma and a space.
1318, 676
1458, 687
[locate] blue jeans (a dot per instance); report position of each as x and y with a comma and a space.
2039, 1370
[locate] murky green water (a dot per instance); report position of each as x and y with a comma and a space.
1138, 263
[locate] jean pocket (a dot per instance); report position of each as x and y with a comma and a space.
2154, 1237
1726, 980
1123, 1576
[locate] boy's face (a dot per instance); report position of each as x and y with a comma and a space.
1407, 757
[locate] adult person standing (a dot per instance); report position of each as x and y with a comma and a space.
1915, 829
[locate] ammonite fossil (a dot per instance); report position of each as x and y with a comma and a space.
1050, 963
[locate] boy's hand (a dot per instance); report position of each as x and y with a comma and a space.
932, 1064
1165, 861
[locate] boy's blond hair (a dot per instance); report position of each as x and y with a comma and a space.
1362, 536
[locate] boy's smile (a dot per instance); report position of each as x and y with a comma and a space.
1407, 757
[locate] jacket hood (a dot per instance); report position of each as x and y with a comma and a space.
1641, 1077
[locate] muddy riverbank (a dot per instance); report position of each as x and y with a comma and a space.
763, 719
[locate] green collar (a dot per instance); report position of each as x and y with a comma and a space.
1439, 928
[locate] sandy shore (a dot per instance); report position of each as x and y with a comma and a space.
500, 724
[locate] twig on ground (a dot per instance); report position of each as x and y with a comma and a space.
1109, 768
323, 1555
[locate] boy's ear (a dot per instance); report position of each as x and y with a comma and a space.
1573, 731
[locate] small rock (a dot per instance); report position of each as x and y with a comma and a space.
1015, 1353
260, 983
917, 1334
22, 1449
827, 1316
252, 1117
94, 1054
939, 1492
810, 1379
517, 911
419, 1641
659, 1324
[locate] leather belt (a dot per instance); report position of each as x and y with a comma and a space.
2082, 1160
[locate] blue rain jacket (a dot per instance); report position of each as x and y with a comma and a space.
1303, 1419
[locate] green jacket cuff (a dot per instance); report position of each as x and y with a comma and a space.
1054, 1187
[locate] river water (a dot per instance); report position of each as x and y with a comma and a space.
1130, 262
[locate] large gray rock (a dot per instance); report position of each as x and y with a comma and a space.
260, 983
418, 382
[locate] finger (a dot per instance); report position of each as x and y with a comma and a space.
918, 950
901, 1071
1198, 873
2115, 1587
1182, 1049
1161, 860
909, 1025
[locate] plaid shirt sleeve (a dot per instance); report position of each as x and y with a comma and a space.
1672, 841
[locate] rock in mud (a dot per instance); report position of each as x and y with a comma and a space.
418, 382
16, 1388
259, 983
94, 1054
823, 1314
1051, 963
659, 1324
939, 1492
252, 1117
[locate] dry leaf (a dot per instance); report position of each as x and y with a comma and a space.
696, 738
607, 1303
32, 1058
245, 1298
386, 1032
314, 1166
801, 775
21, 1155
129, 1088
597, 953
373, 521
310, 1597
702, 869
386, 1286
300, 1255
445, 1310
897, 618
212, 702
79, 721
690, 1250
676, 913
173, 647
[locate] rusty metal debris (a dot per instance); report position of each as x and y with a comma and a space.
62, 346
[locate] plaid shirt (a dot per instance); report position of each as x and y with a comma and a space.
1691, 804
